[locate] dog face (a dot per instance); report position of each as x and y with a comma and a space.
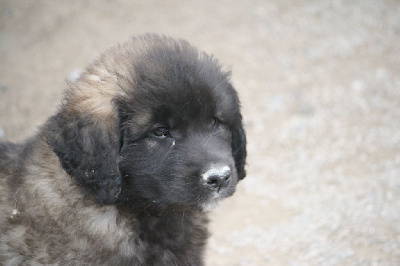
172, 137
178, 147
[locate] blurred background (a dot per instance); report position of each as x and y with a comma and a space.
319, 83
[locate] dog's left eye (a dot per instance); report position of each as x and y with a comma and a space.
161, 132
214, 121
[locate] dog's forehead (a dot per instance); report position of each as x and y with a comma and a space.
177, 82
178, 105
183, 104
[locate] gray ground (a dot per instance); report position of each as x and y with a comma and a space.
320, 89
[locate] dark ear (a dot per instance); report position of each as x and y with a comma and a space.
88, 150
239, 149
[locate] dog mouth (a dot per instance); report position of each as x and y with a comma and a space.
217, 197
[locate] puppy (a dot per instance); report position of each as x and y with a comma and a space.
147, 140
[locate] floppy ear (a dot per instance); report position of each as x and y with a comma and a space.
88, 150
86, 134
239, 149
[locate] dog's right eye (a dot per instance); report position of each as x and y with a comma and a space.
161, 132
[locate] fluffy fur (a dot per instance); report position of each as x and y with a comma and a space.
147, 140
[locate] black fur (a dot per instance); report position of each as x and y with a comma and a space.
147, 140
89, 152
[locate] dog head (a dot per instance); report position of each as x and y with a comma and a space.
155, 124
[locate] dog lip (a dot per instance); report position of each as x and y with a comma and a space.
217, 198
224, 192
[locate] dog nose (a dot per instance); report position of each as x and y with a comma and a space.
217, 177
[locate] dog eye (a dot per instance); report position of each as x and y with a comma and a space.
161, 132
214, 121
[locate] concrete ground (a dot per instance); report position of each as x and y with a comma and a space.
320, 88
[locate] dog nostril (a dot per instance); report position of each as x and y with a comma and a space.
217, 178
214, 180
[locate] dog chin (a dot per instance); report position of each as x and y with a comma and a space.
209, 206
216, 199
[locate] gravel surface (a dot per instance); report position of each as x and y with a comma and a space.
320, 89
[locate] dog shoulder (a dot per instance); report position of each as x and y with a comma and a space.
45, 211
8, 155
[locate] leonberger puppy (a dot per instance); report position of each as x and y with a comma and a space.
146, 141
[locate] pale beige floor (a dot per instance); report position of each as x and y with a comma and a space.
320, 89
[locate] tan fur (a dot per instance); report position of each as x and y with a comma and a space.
75, 215
63, 207
49, 215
